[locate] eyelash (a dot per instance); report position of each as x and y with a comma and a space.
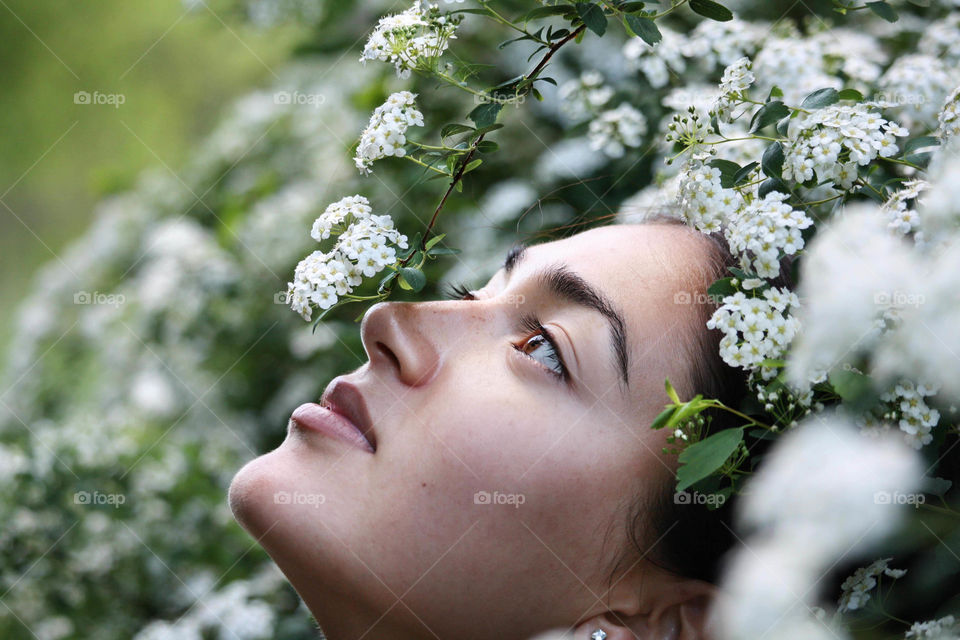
457, 291
529, 323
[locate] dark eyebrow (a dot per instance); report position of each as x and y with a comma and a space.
569, 287
513, 257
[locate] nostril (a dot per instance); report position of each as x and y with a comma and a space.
390, 354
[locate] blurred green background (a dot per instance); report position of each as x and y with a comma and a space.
177, 69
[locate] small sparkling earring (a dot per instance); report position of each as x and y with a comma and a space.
599, 634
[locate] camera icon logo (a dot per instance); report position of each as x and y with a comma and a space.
481, 497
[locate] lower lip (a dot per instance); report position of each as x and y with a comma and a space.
316, 418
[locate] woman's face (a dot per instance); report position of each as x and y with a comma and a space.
494, 503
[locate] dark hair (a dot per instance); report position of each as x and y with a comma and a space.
687, 539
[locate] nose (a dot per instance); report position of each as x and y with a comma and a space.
392, 338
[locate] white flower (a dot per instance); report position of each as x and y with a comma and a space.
366, 244
947, 628
902, 218
847, 279
949, 117
386, 132
755, 329
830, 142
658, 61
614, 130
856, 588
736, 79
702, 201
411, 39
761, 230
916, 86
582, 97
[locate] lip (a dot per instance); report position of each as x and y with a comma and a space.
342, 413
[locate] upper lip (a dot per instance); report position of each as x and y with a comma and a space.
345, 398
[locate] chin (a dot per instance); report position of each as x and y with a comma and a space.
252, 491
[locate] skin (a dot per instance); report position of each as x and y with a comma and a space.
400, 549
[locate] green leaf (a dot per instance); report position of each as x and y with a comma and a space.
711, 9
727, 170
854, 388
386, 280
783, 125
771, 184
662, 418
443, 251
488, 146
484, 115
434, 240
453, 129
775, 92
850, 94
883, 10
744, 173
592, 16
473, 165
820, 98
721, 287
920, 143
702, 458
632, 7
645, 28
767, 114
772, 160
671, 391
414, 279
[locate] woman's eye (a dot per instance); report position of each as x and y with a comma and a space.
541, 347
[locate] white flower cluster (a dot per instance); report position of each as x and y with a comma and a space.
736, 79
386, 133
616, 129
363, 248
856, 588
583, 96
803, 522
916, 86
793, 63
916, 419
410, 39
659, 61
714, 44
901, 216
756, 329
949, 118
703, 203
759, 231
946, 628
831, 142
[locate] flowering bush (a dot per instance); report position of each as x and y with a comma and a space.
156, 354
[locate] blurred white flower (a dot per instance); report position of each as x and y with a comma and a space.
615, 130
